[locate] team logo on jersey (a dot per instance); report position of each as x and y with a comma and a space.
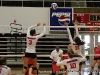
59, 16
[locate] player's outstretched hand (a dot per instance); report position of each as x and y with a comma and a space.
44, 24
65, 24
38, 24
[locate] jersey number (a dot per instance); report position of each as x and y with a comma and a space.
0, 70
29, 42
72, 65
77, 48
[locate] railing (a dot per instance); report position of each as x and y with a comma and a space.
61, 3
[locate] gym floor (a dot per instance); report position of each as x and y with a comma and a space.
18, 71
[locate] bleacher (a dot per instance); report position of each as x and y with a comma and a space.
15, 44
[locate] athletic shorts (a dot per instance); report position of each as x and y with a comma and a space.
96, 58
32, 55
80, 63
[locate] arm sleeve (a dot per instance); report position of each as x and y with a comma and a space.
60, 62
28, 31
70, 37
38, 36
77, 32
61, 51
51, 56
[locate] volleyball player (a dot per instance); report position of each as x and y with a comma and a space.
30, 71
96, 59
4, 69
30, 65
72, 63
76, 42
32, 39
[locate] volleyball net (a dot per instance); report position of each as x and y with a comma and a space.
16, 44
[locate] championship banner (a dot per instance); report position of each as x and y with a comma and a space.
59, 16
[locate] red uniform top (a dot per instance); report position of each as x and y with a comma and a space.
97, 51
65, 56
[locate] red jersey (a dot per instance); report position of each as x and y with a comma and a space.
65, 56
30, 61
96, 51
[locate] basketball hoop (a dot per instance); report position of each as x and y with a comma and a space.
14, 21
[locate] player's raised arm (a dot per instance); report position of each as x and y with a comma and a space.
70, 37
31, 27
38, 36
76, 28
77, 32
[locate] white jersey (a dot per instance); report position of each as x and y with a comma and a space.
72, 64
4, 70
32, 40
75, 48
55, 55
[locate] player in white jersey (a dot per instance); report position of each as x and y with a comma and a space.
32, 39
76, 42
72, 63
4, 70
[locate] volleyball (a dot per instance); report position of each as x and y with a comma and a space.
54, 6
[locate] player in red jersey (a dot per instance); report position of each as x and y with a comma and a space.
96, 59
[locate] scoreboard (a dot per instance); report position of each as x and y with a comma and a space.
87, 17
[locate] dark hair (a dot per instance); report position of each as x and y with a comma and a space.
73, 55
65, 51
32, 32
3, 60
78, 41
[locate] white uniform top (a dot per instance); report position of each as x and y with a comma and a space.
55, 55
75, 48
32, 40
4, 70
72, 64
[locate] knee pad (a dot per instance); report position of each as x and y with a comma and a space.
25, 67
34, 68
98, 67
92, 67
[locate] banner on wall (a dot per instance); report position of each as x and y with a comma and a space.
59, 16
